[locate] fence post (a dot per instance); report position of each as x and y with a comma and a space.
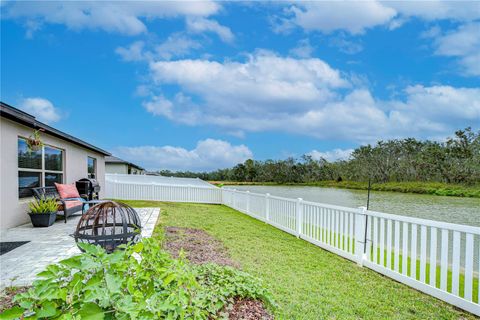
299, 209
248, 201
267, 207
152, 191
234, 200
360, 235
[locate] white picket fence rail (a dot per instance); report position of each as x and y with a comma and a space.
161, 192
438, 258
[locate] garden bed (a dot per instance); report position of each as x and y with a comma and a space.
6, 297
198, 246
201, 248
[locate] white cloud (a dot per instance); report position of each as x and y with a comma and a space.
354, 17
436, 109
134, 52
159, 106
303, 96
176, 45
201, 25
125, 17
463, 43
41, 108
263, 77
462, 11
303, 49
209, 154
331, 155
346, 46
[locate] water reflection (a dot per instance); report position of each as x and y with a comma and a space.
449, 209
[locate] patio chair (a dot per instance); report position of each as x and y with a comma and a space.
67, 205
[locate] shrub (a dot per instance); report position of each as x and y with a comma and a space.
139, 282
43, 206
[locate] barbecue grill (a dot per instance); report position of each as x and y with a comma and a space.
88, 188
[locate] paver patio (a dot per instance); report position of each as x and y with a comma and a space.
47, 246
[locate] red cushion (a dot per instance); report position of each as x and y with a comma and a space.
73, 203
67, 190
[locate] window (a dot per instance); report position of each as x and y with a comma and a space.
27, 180
92, 167
40, 168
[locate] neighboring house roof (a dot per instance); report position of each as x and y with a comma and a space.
16, 115
112, 159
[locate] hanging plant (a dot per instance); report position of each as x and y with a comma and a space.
34, 142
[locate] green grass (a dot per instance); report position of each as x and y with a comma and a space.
307, 282
338, 238
433, 188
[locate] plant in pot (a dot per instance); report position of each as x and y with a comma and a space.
43, 212
34, 142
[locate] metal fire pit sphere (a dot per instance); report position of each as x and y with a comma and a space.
109, 224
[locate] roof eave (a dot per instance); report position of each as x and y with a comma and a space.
16, 115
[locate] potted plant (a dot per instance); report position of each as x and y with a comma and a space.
43, 212
34, 142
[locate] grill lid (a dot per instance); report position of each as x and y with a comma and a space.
93, 182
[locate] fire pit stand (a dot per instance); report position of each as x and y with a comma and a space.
109, 224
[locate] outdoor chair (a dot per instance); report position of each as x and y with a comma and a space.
67, 205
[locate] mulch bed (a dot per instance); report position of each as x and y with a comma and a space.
199, 248
6, 297
246, 309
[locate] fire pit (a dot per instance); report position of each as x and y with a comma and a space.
109, 224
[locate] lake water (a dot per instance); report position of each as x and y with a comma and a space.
448, 209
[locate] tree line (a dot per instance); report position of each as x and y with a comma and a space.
456, 160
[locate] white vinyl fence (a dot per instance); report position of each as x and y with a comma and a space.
438, 258
137, 187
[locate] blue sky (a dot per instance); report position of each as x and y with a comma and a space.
205, 85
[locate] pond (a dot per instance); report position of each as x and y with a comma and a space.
448, 209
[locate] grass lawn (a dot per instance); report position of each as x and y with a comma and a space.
306, 281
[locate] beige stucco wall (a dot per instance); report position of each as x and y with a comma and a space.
119, 168
12, 209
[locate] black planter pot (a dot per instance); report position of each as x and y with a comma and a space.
43, 219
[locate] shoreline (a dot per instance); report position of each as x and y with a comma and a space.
432, 188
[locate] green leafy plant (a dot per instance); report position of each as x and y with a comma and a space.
43, 206
34, 141
138, 282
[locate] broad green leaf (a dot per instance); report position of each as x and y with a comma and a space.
138, 247
90, 311
13, 313
49, 309
114, 282
91, 249
73, 262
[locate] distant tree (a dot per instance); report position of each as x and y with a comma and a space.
457, 160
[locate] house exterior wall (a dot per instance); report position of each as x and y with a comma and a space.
120, 168
13, 211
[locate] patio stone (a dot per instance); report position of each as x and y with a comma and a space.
49, 245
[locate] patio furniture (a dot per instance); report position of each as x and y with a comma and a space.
67, 205
92, 202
